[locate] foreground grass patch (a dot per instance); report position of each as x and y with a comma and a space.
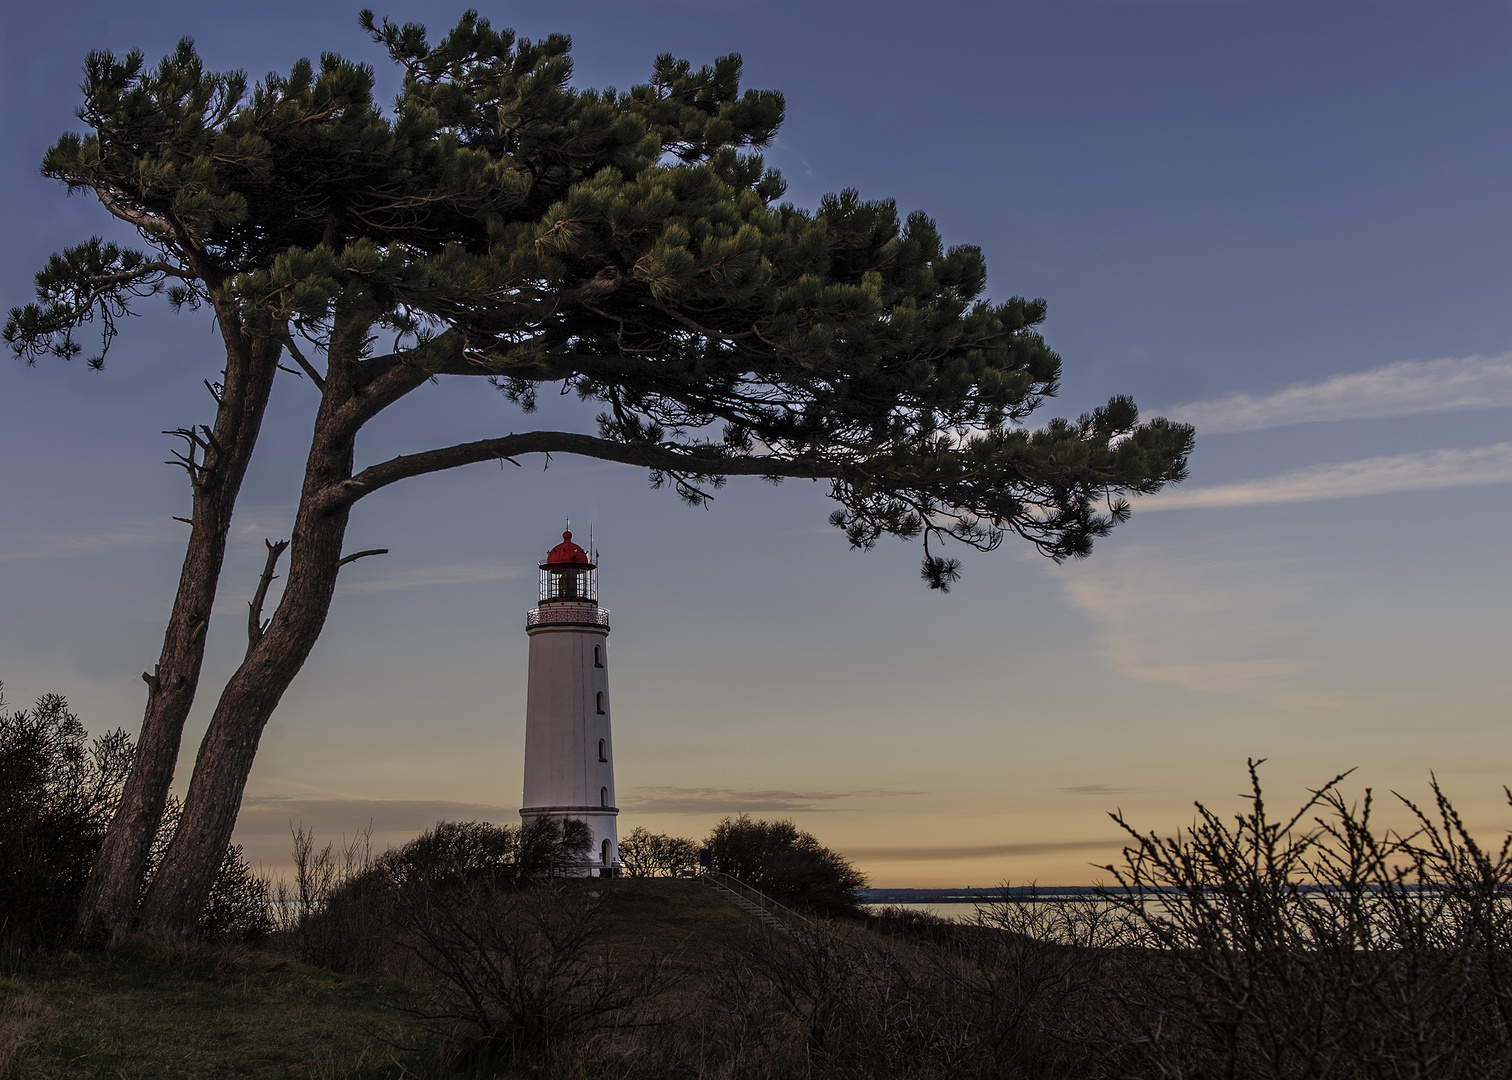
146, 1011
675, 917
142, 1010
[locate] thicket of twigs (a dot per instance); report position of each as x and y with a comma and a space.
1314, 945
58, 791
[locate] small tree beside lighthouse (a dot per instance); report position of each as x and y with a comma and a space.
569, 752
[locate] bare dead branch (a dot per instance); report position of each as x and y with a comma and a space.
309, 368
361, 555
255, 624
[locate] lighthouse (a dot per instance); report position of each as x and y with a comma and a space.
569, 753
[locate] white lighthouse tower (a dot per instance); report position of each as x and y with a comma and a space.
569, 753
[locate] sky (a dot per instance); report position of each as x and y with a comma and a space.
1285, 223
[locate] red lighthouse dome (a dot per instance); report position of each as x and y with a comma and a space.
567, 556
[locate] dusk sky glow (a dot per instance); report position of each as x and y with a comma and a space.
1289, 224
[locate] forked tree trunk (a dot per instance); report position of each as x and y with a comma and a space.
187, 873
115, 882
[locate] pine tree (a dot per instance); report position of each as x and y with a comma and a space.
217, 186
501, 223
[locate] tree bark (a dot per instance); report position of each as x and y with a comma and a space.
187, 873
109, 900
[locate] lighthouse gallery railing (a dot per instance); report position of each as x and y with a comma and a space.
571, 614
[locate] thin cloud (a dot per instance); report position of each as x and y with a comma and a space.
1400, 389
979, 851
249, 527
420, 577
1201, 614
254, 524
1098, 789
263, 815
680, 800
85, 542
1372, 476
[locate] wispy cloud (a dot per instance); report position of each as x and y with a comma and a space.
83, 542
418, 577
681, 800
248, 529
1098, 789
1401, 389
1371, 476
1203, 614
263, 815
254, 524
979, 851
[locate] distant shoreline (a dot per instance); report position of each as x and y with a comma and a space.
970, 895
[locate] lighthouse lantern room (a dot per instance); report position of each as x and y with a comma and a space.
569, 752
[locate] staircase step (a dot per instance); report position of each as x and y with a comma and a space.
753, 909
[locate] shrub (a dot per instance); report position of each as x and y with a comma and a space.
239, 908
786, 863
329, 915
1310, 946
648, 854
1313, 945
848, 1004
524, 967
512, 854
480, 911
339, 912
58, 793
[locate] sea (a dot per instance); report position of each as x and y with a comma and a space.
961, 904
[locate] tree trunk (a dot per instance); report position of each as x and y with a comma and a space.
109, 899
184, 879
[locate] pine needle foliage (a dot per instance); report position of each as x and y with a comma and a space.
629, 247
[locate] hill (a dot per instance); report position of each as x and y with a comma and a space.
140, 1011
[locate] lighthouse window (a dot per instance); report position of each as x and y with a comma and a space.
598, 657
603, 750
599, 701
603, 796
604, 852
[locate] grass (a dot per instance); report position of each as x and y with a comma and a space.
141, 1010
680, 918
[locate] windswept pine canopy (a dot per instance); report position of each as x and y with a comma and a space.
500, 222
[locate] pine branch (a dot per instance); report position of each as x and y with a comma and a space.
146, 222
698, 461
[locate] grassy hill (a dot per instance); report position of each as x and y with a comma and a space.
142, 1011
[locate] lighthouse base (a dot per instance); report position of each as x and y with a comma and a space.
602, 857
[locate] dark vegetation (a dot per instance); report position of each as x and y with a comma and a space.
786, 863
58, 792
647, 854
1314, 945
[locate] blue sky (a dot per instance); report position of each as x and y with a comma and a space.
1285, 223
